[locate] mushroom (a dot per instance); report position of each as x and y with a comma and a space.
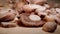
31, 20
40, 2
19, 4
7, 14
41, 10
33, 7
27, 8
58, 10
34, 17
49, 27
49, 18
30, 8
8, 24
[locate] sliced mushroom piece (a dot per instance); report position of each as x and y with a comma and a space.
26, 21
49, 27
8, 24
7, 18
7, 15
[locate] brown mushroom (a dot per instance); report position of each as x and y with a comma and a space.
26, 21
49, 18
32, 7
49, 27
7, 14
19, 4
8, 24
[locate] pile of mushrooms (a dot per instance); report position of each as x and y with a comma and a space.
30, 13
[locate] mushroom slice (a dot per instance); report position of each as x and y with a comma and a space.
49, 27
8, 24
26, 21
7, 15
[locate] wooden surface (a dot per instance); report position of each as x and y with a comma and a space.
23, 30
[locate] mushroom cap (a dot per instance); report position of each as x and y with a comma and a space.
50, 27
33, 8
8, 24
27, 22
7, 14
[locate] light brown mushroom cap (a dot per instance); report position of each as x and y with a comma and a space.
7, 14
50, 27
27, 22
